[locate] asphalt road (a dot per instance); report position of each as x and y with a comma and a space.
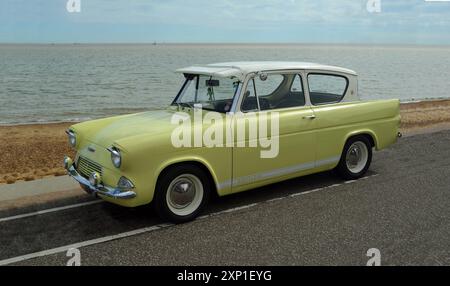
401, 208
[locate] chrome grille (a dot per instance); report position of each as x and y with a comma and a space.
86, 167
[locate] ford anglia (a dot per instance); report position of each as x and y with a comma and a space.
171, 158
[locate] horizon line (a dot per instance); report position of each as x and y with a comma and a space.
227, 43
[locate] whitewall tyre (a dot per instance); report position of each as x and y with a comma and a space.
181, 193
356, 158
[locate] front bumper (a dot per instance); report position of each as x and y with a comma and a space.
99, 189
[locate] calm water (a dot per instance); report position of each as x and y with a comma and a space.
49, 83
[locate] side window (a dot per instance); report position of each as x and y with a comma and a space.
269, 90
273, 92
297, 85
249, 101
295, 96
325, 89
268, 86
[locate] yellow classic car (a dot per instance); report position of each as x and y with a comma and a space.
232, 127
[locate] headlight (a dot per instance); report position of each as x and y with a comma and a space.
116, 158
72, 138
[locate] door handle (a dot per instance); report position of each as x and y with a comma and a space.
309, 117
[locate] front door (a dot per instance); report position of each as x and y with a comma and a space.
289, 148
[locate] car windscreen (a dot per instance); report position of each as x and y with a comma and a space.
211, 93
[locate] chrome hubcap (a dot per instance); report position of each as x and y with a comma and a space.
184, 194
357, 156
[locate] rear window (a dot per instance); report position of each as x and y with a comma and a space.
325, 88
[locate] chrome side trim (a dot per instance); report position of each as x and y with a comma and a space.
102, 190
224, 185
276, 173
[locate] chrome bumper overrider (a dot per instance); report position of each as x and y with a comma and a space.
99, 189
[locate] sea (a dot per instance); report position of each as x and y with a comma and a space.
42, 83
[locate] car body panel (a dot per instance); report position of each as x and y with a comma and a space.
336, 123
296, 134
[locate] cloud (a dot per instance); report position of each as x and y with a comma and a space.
229, 12
273, 18
258, 13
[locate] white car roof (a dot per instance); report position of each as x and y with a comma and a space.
240, 69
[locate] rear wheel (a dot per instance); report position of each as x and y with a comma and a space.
356, 158
181, 193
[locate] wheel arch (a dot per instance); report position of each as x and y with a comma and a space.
369, 134
343, 169
202, 164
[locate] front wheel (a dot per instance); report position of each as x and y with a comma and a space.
181, 193
355, 159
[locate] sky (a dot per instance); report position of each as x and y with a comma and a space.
226, 21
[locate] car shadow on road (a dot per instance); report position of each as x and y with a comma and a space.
257, 195
276, 190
